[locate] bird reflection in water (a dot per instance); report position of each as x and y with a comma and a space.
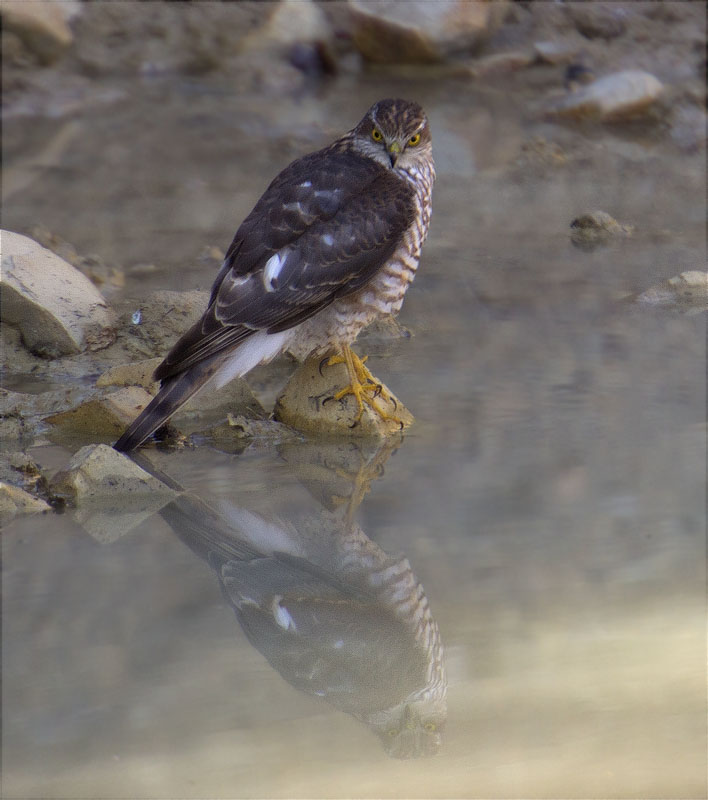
332, 612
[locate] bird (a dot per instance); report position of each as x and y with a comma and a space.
331, 245
334, 614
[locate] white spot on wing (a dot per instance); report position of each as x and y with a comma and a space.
328, 239
282, 615
272, 269
306, 185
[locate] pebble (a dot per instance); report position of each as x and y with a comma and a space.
595, 228
621, 95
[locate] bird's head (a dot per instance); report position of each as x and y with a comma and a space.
395, 133
412, 729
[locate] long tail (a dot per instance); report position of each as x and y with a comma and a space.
173, 394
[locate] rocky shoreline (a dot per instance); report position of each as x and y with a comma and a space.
91, 351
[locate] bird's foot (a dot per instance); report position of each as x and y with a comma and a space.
366, 389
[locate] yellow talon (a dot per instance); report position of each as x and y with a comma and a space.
363, 386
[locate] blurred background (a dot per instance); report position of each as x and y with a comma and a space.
551, 496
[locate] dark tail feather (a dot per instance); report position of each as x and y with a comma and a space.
173, 394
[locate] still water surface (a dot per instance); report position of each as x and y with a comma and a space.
550, 500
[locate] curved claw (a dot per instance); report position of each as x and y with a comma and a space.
322, 363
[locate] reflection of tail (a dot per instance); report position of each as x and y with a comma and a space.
173, 394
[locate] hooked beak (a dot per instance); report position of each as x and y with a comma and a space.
394, 150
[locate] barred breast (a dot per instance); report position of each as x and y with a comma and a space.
342, 322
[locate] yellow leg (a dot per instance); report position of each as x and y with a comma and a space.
363, 386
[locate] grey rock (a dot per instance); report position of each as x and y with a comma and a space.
103, 416
598, 20
421, 32
57, 309
686, 292
621, 95
15, 501
153, 325
23, 414
98, 473
308, 404
138, 373
595, 228
43, 25
556, 51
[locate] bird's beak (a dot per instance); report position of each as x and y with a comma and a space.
394, 150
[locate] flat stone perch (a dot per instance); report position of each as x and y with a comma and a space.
307, 403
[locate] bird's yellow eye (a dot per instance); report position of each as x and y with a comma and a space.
413, 141
392, 732
376, 135
430, 726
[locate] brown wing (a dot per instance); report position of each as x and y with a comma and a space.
322, 230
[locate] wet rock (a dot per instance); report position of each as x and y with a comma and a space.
595, 228
97, 472
42, 25
207, 407
598, 20
18, 469
103, 416
201, 410
139, 373
163, 37
106, 277
556, 51
421, 32
689, 124
500, 63
687, 292
540, 152
154, 324
15, 501
622, 95
289, 22
57, 309
23, 414
240, 432
307, 404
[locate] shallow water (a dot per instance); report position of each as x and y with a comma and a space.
550, 498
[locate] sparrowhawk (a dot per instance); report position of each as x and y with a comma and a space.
331, 245
337, 616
